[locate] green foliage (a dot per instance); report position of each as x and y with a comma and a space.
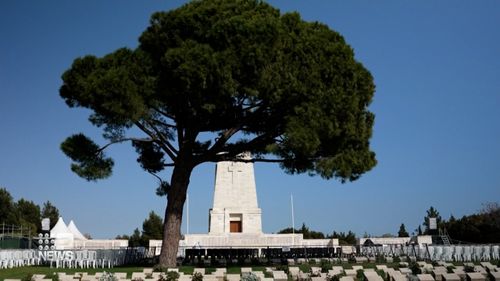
415, 268
108, 276
402, 231
382, 274
359, 275
197, 276
348, 238
152, 227
135, 239
306, 232
468, 268
305, 267
325, 265
50, 211
483, 227
249, 276
6, 207
213, 66
90, 161
28, 214
172, 276
334, 278
28, 277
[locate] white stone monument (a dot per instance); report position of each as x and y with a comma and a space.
235, 217
235, 208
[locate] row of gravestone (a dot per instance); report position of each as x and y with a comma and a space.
483, 272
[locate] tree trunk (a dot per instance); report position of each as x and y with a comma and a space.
173, 215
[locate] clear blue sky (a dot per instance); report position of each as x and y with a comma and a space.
437, 132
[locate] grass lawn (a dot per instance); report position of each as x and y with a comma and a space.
22, 272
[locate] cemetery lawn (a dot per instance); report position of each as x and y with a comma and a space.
22, 272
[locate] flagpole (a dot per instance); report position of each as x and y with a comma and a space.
187, 213
293, 219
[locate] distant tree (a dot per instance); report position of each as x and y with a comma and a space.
305, 231
87, 235
124, 237
387, 235
28, 215
402, 231
482, 227
7, 214
419, 230
135, 239
431, 213
237, 72
344, 238
152, 227
50, 211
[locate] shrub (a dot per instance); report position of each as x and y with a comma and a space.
333, 278
359, 275
108, 276
396, 259
172, 276
159, 268
306, 268
468, 268
415, 268
197, 277
284, 267
250, 276
28, 277
325, 266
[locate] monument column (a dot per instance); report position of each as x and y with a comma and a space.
235, 208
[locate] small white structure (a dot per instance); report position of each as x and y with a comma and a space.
62, 235
76, 233
69, 237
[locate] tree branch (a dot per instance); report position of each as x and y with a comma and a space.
163, 139
123, 140
163, 113
159, 142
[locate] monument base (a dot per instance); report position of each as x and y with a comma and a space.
246, 241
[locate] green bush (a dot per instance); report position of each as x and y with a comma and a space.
28, 277
333, 278
172, 276
359, 275
305, 267
108, 276
197, 277
325, 266
468, 268
415, 268
250, 276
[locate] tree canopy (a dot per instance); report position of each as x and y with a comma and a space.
213, 79
402, 231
